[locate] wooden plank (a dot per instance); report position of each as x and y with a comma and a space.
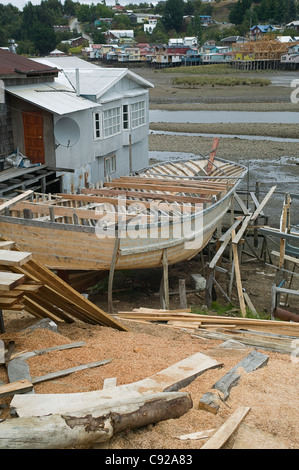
241, 204
62, 347
287, 257
242, 229
263, 203
44, 275
10, 280
14, 258
6, 245
14, 200
21, 386
197, 435
71, 370
227, 429
224, 239
158, 187
238, 278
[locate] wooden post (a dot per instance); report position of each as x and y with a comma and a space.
182, 290
165, 279
2, 327
111, 272
257, 192
209, 287
238, 277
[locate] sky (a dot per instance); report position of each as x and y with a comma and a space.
21, 3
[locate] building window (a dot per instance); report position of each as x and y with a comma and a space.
97, 125
138, 114
111, 122
110, 164
125, 116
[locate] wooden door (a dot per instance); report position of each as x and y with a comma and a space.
34, 136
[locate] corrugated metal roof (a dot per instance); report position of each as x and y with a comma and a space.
98, 82
11, 63
52, 97
66, 62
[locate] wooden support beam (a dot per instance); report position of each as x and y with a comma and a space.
238, 278
263, 203
14, 200
111, 271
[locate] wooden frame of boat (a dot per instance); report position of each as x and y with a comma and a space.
128, 222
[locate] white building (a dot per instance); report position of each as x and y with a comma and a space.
95, 120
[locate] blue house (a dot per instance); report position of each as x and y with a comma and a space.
261, 29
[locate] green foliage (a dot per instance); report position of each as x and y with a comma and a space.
213, 69
195, 81
263, 11
173, 14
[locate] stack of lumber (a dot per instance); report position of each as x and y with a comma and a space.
186, 319
27, 285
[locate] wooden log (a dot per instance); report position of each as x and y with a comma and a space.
227, 429
173, 378
94, 425
209, 402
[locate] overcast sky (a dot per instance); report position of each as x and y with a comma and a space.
21, 3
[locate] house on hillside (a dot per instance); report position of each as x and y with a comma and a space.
230, 40
261, 29
91, 123
293, 25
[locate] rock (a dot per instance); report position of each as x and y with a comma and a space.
198, 282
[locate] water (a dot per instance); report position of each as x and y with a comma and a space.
282, 172
234, 117
229, 136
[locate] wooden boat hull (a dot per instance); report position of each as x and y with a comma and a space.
69, 246
72, 249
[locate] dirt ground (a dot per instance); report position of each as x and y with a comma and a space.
271, 392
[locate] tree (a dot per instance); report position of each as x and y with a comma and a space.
173, 14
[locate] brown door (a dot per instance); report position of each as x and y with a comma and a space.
34, 136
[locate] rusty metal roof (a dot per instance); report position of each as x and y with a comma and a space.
11, 63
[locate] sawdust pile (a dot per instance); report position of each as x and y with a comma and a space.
271, 392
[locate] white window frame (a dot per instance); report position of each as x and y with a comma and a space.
126, 116
110, 165
111, 121
138, 114
97, 123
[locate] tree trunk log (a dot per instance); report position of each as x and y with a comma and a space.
90, 426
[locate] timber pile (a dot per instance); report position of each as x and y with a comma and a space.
271, 335
27, 285
262, 49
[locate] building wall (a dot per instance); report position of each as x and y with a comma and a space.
6, 134
17, 108
129, 147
